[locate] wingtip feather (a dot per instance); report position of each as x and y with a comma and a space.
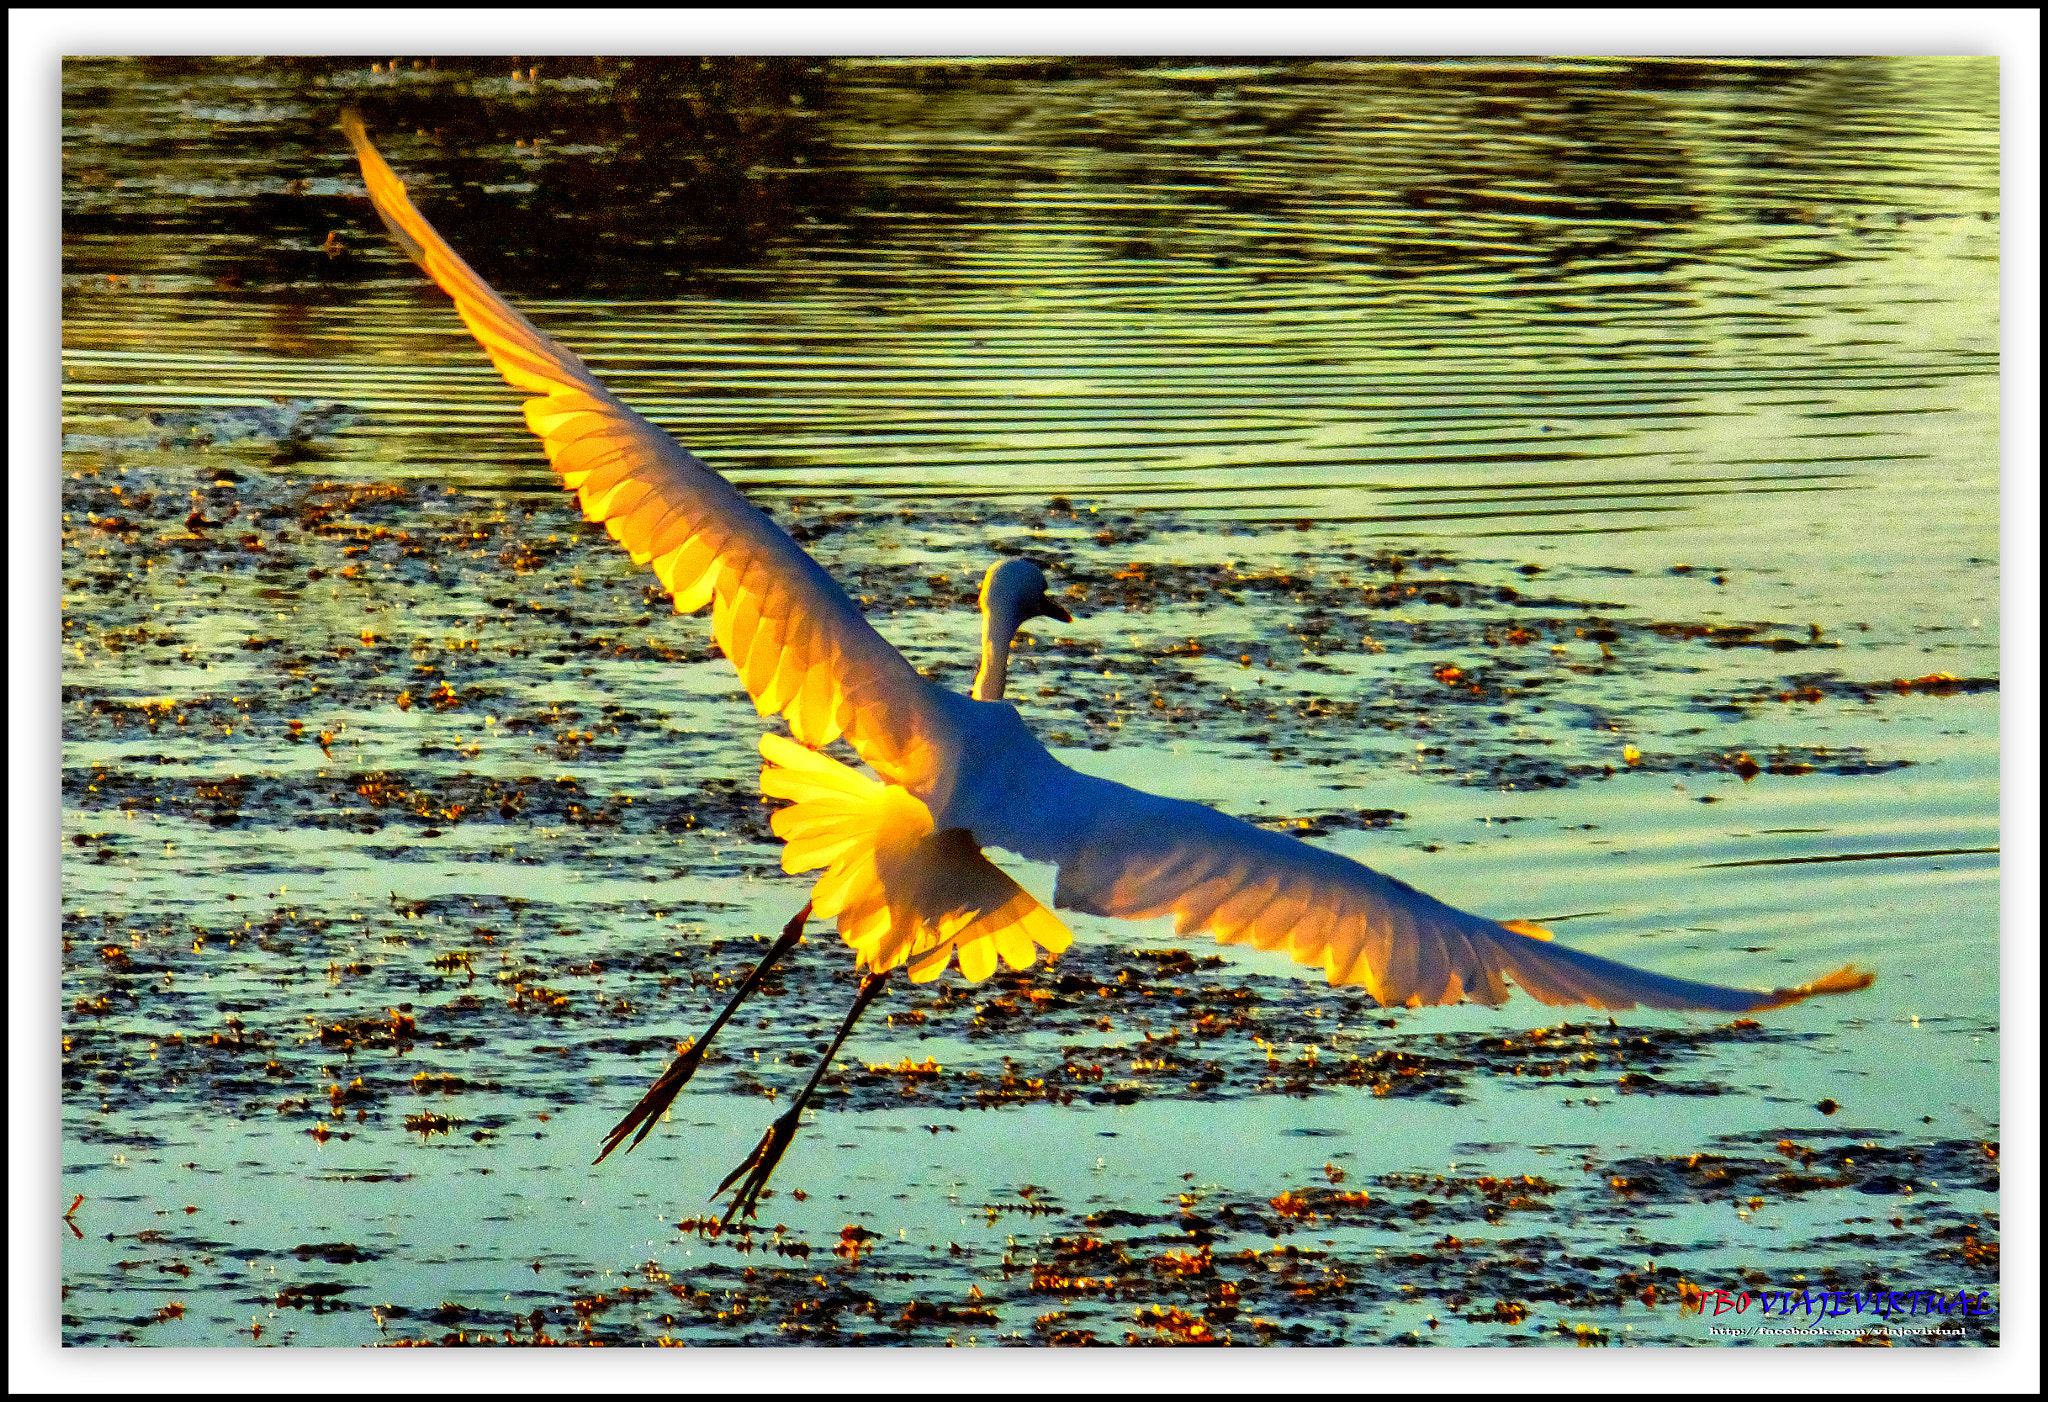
1847, 979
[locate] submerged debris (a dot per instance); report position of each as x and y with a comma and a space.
273, 679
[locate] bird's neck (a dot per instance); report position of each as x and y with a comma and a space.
997, 628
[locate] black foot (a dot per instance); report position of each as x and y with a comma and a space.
759, 1166
657, 1100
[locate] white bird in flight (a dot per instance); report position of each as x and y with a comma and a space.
904, 870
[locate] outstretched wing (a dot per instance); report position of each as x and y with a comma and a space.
801, 646
1138, 855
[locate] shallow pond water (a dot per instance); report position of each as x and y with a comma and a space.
1571, 487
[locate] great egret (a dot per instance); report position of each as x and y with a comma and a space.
904, 871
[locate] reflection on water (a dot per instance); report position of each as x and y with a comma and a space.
1323, 288
1568, 485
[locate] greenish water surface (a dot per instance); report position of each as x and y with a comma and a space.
1569, 486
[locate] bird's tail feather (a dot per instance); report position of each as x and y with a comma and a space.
905, 896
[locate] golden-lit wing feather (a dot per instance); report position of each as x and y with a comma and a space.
800, 644
1138, 855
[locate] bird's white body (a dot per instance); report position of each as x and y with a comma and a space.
903, 868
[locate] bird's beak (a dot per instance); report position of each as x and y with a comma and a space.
1048, 609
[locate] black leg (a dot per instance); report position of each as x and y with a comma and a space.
768, 1153
665, 1090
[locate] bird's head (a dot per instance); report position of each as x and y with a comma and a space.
1014, 590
